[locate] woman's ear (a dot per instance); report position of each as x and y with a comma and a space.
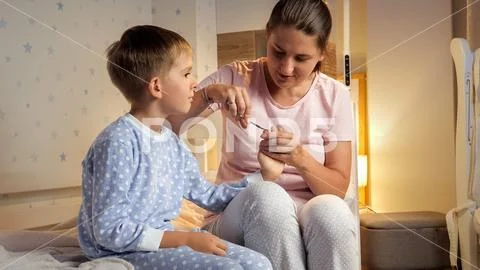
155, 87
322, 56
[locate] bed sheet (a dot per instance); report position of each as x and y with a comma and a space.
57, 247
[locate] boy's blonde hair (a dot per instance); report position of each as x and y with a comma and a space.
143, 52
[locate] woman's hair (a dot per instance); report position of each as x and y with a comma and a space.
312, 17
142, 52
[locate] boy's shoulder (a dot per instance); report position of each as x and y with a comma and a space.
129, 132
119, 131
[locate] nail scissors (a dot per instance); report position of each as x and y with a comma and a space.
258, 126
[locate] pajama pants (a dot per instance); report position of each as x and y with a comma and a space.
185, 258
320, 235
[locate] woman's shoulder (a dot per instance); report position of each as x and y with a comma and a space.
328, 83
331, 90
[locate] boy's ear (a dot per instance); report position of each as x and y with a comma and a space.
155, 87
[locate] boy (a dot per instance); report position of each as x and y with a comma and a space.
134, 175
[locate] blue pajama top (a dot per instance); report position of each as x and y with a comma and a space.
133, 182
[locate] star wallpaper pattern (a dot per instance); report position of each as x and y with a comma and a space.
55, 93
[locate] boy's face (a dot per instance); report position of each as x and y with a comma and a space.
178, 85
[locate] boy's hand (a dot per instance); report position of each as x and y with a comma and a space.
207, 243
270, 168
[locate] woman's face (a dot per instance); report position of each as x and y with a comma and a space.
291, 56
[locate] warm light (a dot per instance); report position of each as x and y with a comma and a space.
362, 170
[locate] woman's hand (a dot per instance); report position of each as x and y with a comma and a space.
270, 168
282, 146
207, 243
234, 99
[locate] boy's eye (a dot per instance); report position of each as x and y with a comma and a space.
187, 74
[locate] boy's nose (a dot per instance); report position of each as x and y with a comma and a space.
193, 82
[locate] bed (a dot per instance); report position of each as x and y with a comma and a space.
56, 247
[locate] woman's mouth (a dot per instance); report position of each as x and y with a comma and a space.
284, 77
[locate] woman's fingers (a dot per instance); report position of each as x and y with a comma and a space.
278, 138
240, 103
246, 101
235, 102
278, 145
231, 104
235, 99
278, 148
277, 141
277, 132
277, 156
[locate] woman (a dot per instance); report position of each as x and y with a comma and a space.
301, 221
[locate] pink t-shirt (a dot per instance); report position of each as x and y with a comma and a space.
319, 119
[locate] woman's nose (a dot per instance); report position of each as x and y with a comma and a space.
286, 67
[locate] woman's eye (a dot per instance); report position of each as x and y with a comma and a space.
278, 53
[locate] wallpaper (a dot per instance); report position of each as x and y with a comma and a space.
55, 94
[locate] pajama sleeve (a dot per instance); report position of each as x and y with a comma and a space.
112, 169
205, 194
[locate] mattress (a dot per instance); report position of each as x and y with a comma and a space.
57, 247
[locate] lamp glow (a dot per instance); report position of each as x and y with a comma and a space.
362, 170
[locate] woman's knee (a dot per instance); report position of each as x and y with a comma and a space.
328, 213
260, 189
268, 197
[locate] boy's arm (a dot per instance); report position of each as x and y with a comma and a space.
111, 173
205, 194
216, 197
